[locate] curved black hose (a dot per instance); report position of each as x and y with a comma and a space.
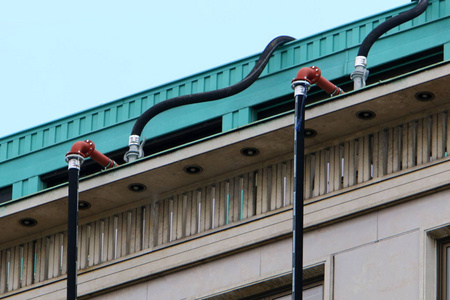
389, 24
212, 95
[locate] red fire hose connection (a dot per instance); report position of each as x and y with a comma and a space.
305, 77
87, 149
75, 157
313, 75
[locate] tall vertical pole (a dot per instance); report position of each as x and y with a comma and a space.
300, 92
74, 161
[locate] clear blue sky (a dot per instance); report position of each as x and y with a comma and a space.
60, 57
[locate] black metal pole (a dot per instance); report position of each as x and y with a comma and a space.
301, 89
75, 162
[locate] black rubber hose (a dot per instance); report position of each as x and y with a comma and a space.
389, 24
212, 95
72, 234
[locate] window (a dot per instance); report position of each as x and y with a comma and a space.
285, 297
444, 269
280, 288
313, 292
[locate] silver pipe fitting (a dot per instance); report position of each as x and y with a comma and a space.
300, 87
135, 149
359, 76
74, 161
361, 61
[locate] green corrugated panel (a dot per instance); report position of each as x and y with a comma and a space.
333, 51
26, 187
238, 118
447, 51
